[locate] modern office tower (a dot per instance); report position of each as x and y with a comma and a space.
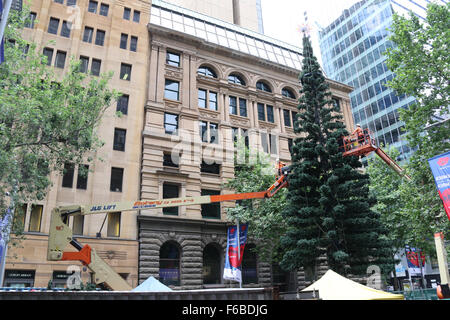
352, 49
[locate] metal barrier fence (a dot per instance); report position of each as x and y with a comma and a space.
206, 294
419, 294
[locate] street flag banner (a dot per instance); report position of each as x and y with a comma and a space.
4, 235
414, 260
440, 166
233, 259
2, 47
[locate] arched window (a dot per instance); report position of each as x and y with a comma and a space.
288, 93
207, 71
261, 85
169, 264
211, 265
237, 79
249, 262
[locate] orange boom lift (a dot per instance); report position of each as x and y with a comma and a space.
362, 143
60, 234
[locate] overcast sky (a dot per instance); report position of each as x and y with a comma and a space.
283, 18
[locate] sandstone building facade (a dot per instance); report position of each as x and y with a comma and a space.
195, 83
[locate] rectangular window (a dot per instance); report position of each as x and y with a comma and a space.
100, 38
123, 41
60, 60
35, 218
71, 3
244, 133
125, 71
59, 1
30, 21
82, 178
48, 52
113, 224
78, 224
287, 118
84, 65
95, 67
104, 8
170, 123
294, 117
88, 34
213, 133
65, 29
264, 142
92, 6
171, 90
202, 98
203, 130
170, 160
211, 210
213, 168
116, 179
170, 191
242, 107
126, 13
133, 43
233, 105
119, 139
173, 59
53, 26
122, 103
20, 212
273, 144
213, 101
136, 16
261, 112
67, 181
269, 110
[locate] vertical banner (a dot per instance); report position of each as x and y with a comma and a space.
2, 48
233, 258
440, 166
414, 260
4, 238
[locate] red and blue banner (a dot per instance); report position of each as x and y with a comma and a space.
2, 47
233, 259
4, 236
415, 259
440, 166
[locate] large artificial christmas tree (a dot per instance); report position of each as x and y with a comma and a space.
328, 211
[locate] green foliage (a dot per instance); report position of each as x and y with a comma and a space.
266, 224
328, 211
46, 119
421, 63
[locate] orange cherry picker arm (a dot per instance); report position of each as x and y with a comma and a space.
364, 144
60, 234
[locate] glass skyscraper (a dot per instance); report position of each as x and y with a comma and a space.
352, 49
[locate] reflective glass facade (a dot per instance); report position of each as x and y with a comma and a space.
352, 49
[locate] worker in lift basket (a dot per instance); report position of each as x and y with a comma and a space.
358, 134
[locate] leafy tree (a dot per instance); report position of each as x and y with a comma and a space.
328, 211
385, 186
46, 119
421, 62
266, 224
